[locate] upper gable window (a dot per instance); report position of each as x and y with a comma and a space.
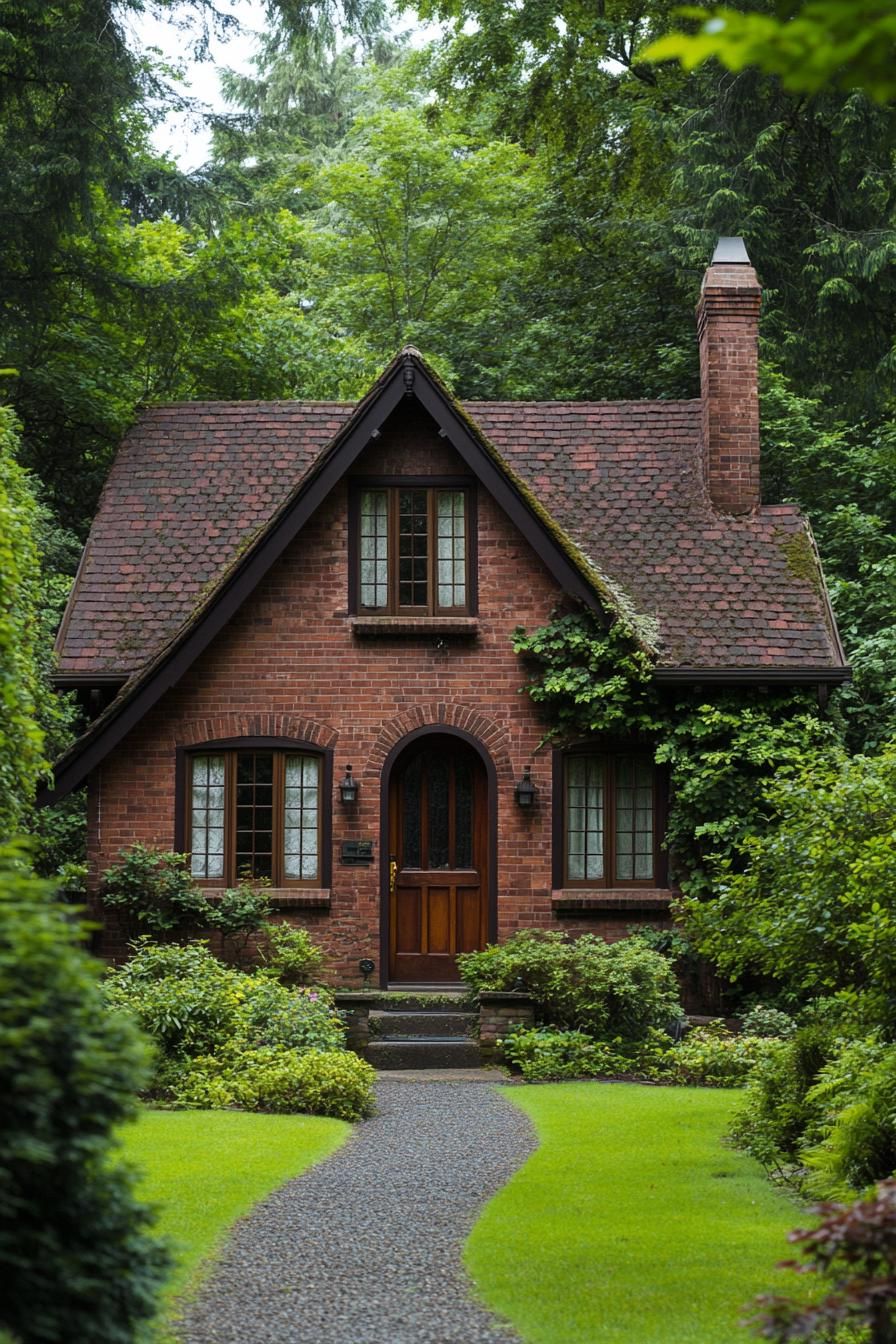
412, 549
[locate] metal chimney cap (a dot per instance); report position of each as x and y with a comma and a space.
731, 252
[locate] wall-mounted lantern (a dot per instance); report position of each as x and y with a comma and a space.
348, 787
367, 968
525, 791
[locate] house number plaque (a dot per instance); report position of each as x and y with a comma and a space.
354, 853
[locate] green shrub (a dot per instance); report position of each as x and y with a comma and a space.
22, 690
237, 914
762, 1021
852, 1142
191, 1004
76, 1258
337, 1083
289, 955
780, 1107
275, 1078
542, 1054
183, 998
302, 1019
607, 990
712, 1056
154, 891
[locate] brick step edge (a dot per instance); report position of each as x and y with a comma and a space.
386, 1026
450, 1054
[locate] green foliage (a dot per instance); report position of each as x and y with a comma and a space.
336, 1083
854, 1249
155, 891
764, 1021
546, 1054
69, 1222
21, 691
185, 1000
809, 45
608, 990
225, 1038
588, 678
277, 1079
813, 907
589, 681
190, 1004
711, 1056
417, 233
239, 913
289, 955
852, 1143
820, 1109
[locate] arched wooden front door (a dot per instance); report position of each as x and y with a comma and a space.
438, 884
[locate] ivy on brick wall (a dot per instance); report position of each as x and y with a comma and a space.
720, 747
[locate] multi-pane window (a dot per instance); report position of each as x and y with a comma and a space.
413, 550
255, 814
610, 825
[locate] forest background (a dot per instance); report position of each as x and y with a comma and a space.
526, 198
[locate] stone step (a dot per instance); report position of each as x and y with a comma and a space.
424, 1003
447, 1052
385, 1025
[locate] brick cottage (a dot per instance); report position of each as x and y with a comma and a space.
294, 623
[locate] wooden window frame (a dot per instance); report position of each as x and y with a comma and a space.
610, 755
280, 748
393, 485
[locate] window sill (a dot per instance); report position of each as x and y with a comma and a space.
464, 627
301, 898
613, 898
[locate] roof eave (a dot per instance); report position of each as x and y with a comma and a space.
755, 676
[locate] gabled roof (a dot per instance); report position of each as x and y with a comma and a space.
198, 506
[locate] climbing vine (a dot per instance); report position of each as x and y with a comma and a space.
720, 748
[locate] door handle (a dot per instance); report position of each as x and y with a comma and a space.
393, 873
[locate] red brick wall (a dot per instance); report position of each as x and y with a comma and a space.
728, 330
289, 665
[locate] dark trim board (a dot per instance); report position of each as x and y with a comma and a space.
754, 676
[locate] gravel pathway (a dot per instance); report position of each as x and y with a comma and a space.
366, 1247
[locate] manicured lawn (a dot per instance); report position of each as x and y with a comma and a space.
205, 1169
631, 1222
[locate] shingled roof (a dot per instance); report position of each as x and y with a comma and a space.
194, 483
204, 497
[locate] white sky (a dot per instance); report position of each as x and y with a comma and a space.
184, 137
186, 141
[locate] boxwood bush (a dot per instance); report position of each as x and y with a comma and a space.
277, 1078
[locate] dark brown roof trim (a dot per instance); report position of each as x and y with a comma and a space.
755, 676
407, 376
76, 681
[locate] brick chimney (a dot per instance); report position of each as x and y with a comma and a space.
728, 331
